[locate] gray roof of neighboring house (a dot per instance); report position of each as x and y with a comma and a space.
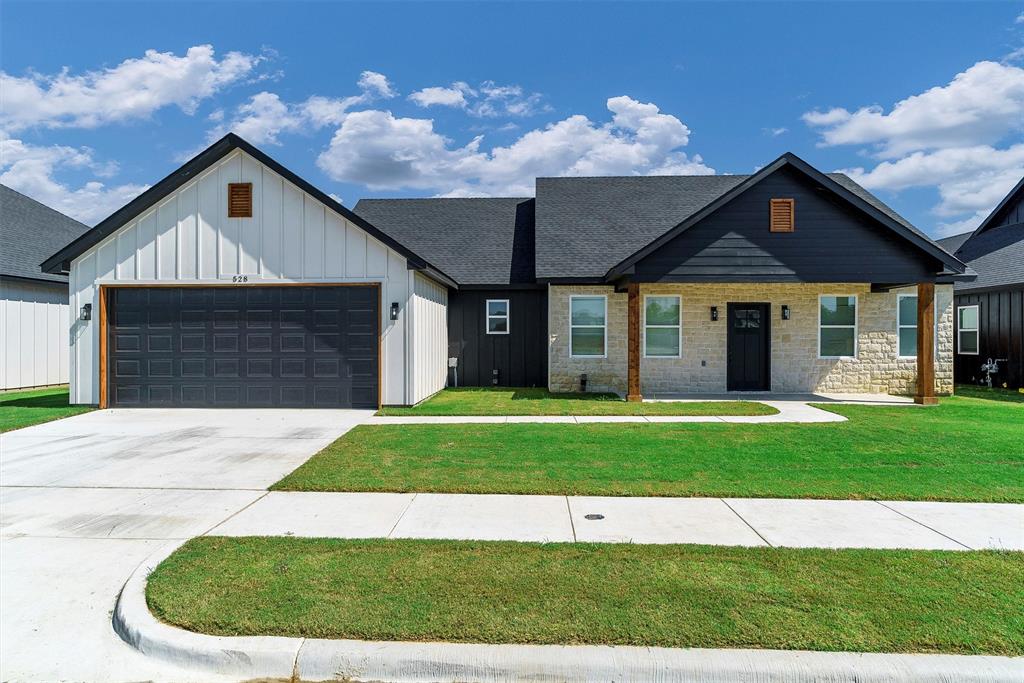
954, 242
585, 226
996, 254
29, 233
476, 241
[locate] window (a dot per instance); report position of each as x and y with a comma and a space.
782, 215
497, 316
837, 327
662, 326
587, 326
906, 325
967, 326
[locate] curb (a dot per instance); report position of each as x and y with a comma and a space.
254, 657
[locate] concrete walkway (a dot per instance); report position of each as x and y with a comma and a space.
789, 411
714, 521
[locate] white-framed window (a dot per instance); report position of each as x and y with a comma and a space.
837, 326
497, 316
906, 327
663, 326
588, 326
967, 330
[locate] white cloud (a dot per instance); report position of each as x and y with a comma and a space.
775, 132
1019, 19
376, 85
455, 96
947, 137
979, 106
382, 151
486, 100
264, 116
31, 170
133, 89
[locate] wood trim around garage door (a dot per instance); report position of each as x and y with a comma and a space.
104, 398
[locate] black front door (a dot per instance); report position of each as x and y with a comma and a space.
748, 368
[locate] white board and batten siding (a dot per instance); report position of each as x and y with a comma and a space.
429, 321
291, 237
33, 333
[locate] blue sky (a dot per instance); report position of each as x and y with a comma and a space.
922, 103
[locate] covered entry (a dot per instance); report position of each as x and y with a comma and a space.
242, 347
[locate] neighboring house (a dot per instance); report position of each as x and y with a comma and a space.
34, 314
990, 309
233, 282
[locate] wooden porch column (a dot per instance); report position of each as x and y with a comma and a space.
633, 344
926, 344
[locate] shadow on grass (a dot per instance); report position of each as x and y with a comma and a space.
59, 400
989, 393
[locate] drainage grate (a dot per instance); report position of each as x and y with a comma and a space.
593, 516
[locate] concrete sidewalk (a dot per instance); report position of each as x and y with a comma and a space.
794, 523
789, 411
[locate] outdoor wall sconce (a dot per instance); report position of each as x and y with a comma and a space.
394, 310
785, 312
86, 313
714, 313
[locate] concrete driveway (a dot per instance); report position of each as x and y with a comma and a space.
84, 500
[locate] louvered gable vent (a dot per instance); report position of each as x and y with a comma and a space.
782, 213
239, 200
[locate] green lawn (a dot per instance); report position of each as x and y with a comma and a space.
520, 401
963, 450
26, 408
648, 595
992, 394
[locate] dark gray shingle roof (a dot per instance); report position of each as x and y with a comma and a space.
585, 226
478, 241
951, 244
29, 233
997, 255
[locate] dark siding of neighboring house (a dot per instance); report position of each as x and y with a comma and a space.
832, 242
520, 357
1000, 335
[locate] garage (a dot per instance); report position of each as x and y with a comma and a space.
242, 346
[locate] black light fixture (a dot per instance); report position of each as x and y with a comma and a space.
394, 310
714, 313
785, 312
86, 313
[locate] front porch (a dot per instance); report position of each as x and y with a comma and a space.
686, 340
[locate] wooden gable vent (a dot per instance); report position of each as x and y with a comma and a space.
239, 200
782, 215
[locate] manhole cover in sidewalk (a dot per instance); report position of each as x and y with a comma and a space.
593, 516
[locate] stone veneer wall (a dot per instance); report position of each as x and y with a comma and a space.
795, 366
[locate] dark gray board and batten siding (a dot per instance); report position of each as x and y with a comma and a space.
1000, 336
520, 357
832, 242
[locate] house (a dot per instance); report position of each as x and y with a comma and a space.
989, 321
233, 282
34, 312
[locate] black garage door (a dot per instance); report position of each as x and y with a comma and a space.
243, 347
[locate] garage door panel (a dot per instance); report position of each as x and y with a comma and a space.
243, 347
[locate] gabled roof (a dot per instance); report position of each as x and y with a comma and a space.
59, 261
1012, 196
840, 185
592, 228
995, 249
485, 241
29, 232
